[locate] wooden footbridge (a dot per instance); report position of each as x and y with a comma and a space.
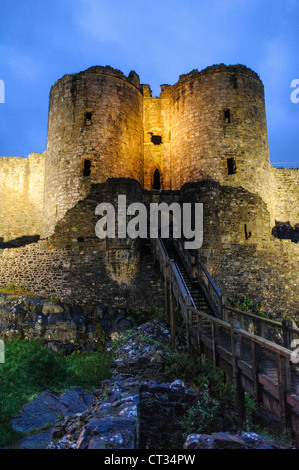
254, 352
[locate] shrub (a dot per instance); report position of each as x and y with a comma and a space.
30, 368
196, 372
204, 417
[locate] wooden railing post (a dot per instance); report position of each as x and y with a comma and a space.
188, 313
286, 333
199, 334
214, 343
223, 305
255, 371
283, 376
261, 328
239, 390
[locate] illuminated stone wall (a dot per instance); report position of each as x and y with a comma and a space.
209, 125
157, 137
239, 250
218, 114
95, 131
286, 195
21, 195
77, 266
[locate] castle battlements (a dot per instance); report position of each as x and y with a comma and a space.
102, 124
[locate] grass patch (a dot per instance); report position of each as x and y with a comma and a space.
30, 369
11, 288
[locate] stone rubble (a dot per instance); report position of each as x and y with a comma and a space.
225, 440
62, 327
129, 410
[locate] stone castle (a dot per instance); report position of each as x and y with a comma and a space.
203, 139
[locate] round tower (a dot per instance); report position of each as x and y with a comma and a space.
219, 129
95, 131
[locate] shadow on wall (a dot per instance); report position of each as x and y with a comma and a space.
18, 242
285, 231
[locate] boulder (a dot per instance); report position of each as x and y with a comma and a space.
43, 412
225, 440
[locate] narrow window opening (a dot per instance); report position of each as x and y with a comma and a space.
88, 121
247, 232
227, 117
87, 168
156, 139
231, 166
157, 180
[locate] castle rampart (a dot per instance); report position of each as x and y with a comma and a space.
204, 139
21, 195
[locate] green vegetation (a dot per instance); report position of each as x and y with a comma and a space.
138, 316
30, 369
53, 299
11, 288
197, 374
215, 410
248, 305
202, 418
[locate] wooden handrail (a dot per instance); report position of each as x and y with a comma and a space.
270, 345
267, 321
245, 375
224, 307
178, 272
210, 280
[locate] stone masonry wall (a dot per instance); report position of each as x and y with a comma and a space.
21, 195
241, 253
286, 195
94, 132
157, 153
203, 137
269, 275
81, 277
77, 266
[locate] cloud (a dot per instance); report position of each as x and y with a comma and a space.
20, 64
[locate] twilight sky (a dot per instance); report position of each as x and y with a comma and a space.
42, 40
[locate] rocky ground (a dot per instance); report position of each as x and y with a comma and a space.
136, 408
127, 411
63, 328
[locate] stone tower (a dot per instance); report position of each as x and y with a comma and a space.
219, 128
95, 131
209, 125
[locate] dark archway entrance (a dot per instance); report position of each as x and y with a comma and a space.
157, 180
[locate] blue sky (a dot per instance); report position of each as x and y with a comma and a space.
42, 40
